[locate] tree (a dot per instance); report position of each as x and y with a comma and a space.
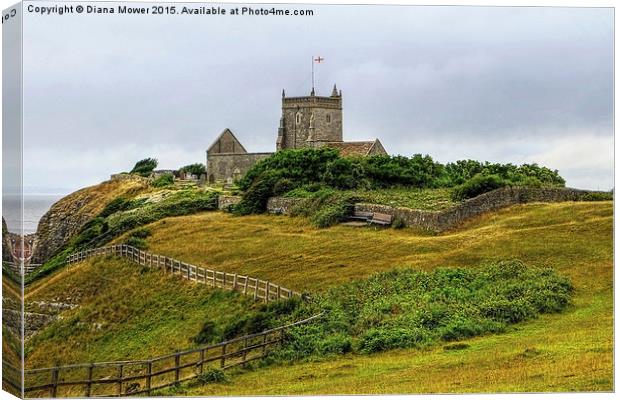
194, 169
145, 167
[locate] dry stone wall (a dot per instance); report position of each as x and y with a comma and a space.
443, 220
439, 221
224, 201
282, 205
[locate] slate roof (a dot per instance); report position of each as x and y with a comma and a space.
352, 148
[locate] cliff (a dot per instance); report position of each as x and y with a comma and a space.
67, 216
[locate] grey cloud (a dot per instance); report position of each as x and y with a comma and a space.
454, 82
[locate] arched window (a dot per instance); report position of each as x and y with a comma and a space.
298, 118
328, 118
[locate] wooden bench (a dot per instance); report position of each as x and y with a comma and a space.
381, 219
363, 215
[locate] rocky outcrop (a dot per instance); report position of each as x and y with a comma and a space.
69, 215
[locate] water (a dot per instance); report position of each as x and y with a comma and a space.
35, 205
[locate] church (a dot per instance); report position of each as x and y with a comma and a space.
308, 121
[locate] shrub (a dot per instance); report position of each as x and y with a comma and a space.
255, 198
141, 233
207, 334
212, 375
144, 167
476, 186
331, 214
409, 308
386, 338
298, 172
163, 180
116, 205
398, 223
194, 169
136, 242
335, 344
597, 196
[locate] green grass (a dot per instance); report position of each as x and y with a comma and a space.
560, 352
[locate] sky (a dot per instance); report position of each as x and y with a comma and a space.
518, 85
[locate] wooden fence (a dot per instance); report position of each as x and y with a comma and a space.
17, 268
259, 289
126, 378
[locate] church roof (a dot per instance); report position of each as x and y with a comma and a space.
229, 138
348, 149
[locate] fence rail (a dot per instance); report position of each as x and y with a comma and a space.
126, 378
257, 288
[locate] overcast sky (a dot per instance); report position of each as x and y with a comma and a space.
499, 84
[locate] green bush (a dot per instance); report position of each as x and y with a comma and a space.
398, 223
597, 196
476, 186
163, 180
194, 169
212, 375
141, 233
208, 334
298, 172
136, 242
116, 205
386, 338
406, 308
145, 167
254, 200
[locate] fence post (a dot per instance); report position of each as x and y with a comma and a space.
177, 369
120, 380
245, 285
223, 360
189, 269
202, 361
90, 380
149, 372
54, 388
234, 282
266, 291
256, 289
279, 292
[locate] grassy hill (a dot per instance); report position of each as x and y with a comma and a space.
568, 351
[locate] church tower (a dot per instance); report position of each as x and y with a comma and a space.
310, 121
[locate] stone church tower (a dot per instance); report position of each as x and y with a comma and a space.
310, 121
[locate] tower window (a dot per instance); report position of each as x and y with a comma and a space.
328, 118
298, 118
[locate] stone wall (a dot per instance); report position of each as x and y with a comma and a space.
228, 167
224, 201
443, 220
282, 205
439, 221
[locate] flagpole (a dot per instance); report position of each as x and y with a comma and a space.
312, 73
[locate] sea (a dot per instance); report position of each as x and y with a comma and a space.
35, 205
